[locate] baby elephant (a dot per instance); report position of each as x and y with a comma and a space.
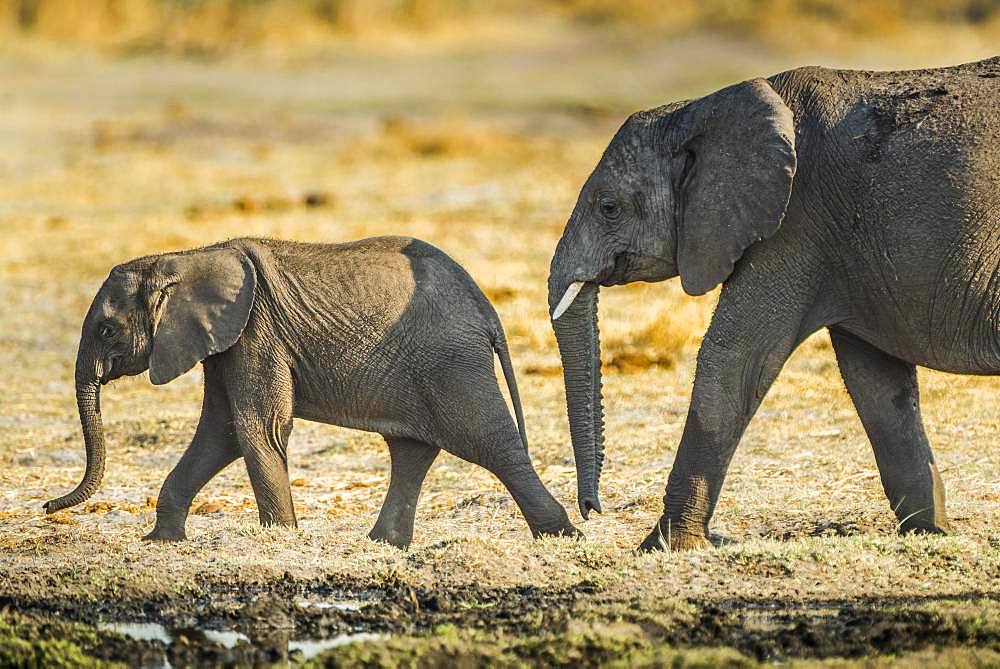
388, 335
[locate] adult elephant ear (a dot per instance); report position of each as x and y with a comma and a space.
739, 151
200, 308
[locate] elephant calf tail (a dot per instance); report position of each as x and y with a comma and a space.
500, 346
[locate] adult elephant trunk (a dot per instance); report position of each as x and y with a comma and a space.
88, 400
577, 333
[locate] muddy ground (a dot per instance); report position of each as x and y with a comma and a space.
526, 624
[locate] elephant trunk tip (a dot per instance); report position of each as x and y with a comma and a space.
52, 506
589, 503
72, 499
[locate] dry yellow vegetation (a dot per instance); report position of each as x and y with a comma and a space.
212, 27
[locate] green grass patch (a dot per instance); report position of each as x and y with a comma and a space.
29, 643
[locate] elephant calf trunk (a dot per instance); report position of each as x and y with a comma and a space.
88, 401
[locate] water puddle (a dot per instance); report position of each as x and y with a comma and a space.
297, 649
347, 605
226, 638
313, 648
139, 631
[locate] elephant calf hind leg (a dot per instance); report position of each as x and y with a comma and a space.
504, 455
885, 394
410, 461
545, 516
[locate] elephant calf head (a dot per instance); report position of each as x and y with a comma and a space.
681, 189
161, 313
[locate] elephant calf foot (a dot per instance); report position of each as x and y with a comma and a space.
291, 524
667, 536
556, 525
567, 530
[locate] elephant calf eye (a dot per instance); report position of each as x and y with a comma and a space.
107, 331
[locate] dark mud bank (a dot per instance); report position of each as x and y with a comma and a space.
224, 623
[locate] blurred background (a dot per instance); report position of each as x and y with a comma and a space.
216, 27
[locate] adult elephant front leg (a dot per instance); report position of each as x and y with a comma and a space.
751, 336
262, 405
885, 393
212, 449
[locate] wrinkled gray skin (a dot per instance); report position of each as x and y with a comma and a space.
867, 203
387, 335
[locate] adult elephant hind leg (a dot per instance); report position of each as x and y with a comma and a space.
410, 460
885, 393
212, 449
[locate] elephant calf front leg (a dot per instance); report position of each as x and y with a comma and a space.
268, 471
885, 393
200, 462
410, 461
212, 449
263, 425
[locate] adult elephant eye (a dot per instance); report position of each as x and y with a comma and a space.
107, 331
609, 208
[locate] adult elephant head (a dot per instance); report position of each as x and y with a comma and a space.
681, 189
164, 314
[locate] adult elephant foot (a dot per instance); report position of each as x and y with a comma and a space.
163, 534
400, 540
663, 537
924, 529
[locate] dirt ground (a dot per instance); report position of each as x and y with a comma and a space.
479, 148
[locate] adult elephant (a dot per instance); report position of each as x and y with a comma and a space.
864, 202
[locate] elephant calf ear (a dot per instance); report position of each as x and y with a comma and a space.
205, 308
741, 153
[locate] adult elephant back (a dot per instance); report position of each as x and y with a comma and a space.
864, 202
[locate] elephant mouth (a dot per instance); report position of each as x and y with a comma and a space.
619, 271
623, 261
112, 370
629, 267
109, 372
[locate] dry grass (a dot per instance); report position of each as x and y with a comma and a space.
100, 162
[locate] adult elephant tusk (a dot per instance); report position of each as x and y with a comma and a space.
567, 299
